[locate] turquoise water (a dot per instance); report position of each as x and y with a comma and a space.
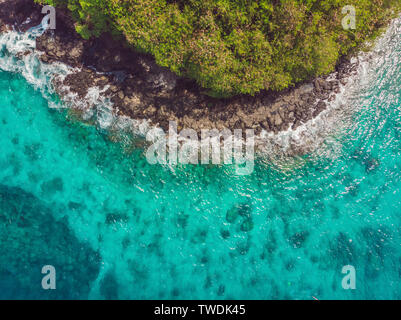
116, 227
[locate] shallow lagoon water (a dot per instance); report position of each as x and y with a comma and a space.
116, 227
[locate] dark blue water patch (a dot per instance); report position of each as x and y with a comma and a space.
31, 238
378, 249
366, 159
225, 234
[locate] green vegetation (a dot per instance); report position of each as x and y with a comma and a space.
235, 46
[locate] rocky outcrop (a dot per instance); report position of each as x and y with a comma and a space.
140, 89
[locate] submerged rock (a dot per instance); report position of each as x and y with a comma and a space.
371, 164
182, 220
225, 234
243, 247
221, 290
244, 210
109, 287
239, 209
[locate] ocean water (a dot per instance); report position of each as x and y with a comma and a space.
84, 199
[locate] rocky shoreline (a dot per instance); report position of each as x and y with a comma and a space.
141, 90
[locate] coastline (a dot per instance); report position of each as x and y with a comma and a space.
142, 91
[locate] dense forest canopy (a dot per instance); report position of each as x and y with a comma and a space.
235, 46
